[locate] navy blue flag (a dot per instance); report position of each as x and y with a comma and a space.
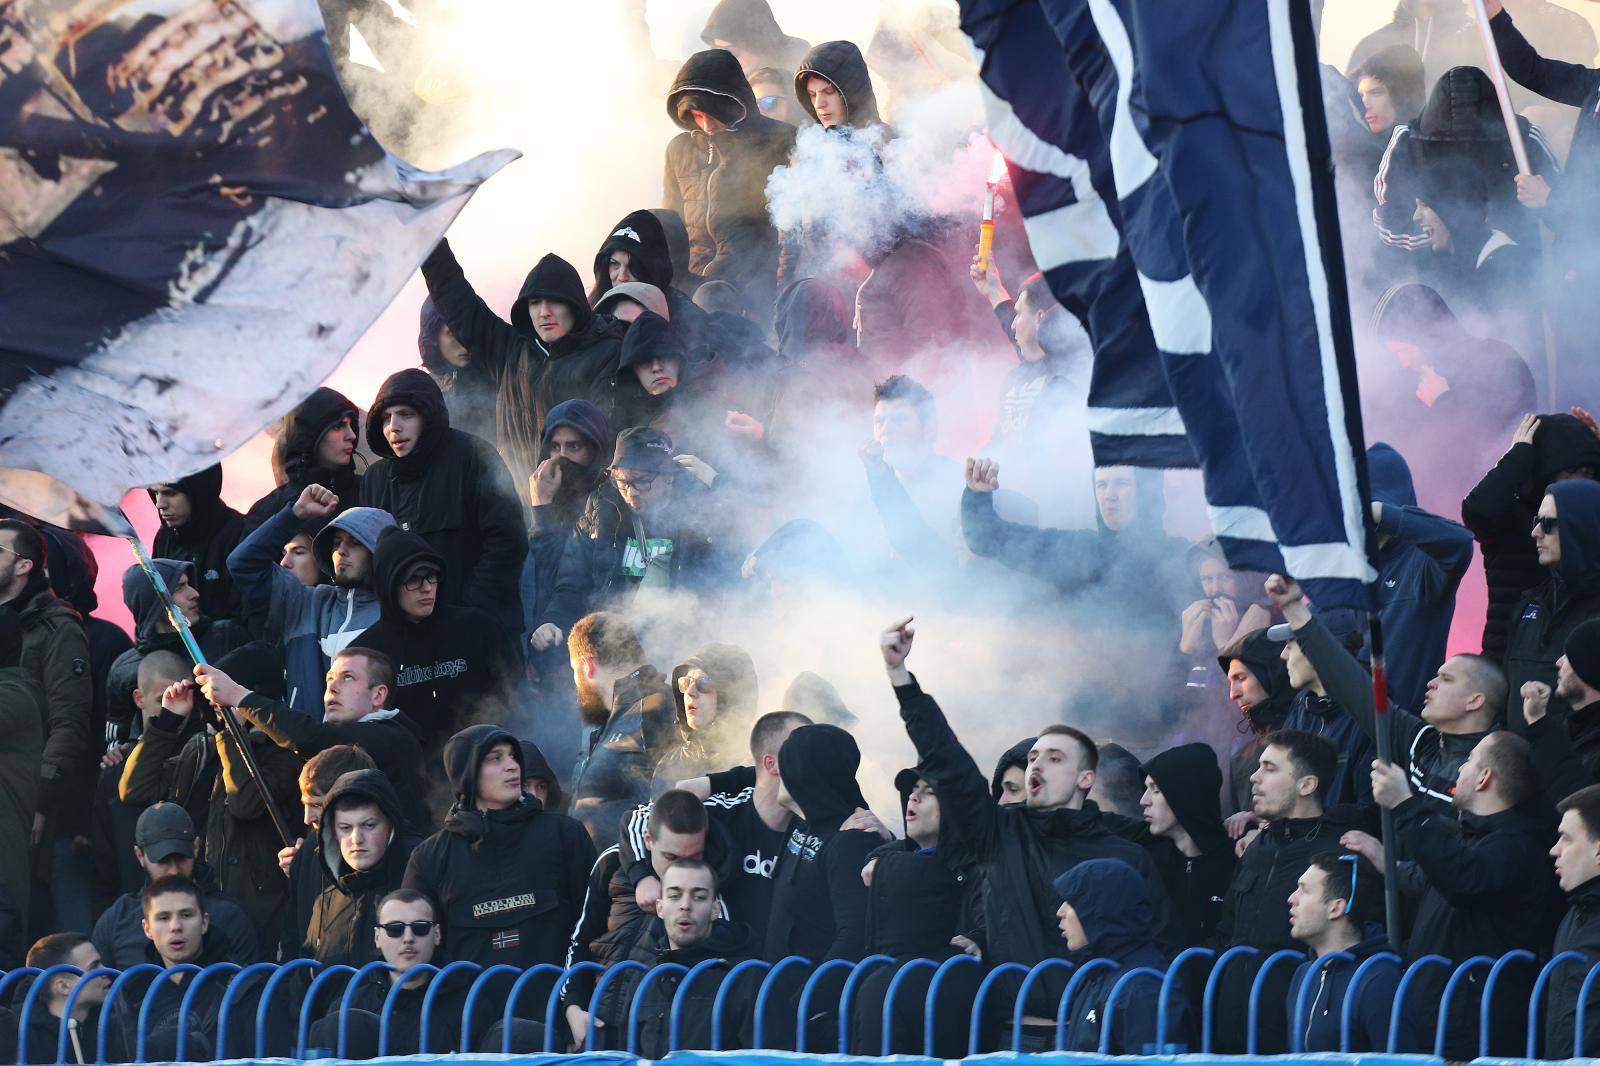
1212, 120
194, 229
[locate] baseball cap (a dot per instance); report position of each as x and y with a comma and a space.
644, 294
164, 830
1348, 628
644, 448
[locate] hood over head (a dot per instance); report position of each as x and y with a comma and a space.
1417, 314
811, 314
584, 418
649, 258
714, 83
73, 568
733, 672
1112, 904
677, 235
801, 551
818, 766
366, 786
1578, 510
745, 23
294, 447
258, 666
535, 765
552, 278
1563, 443
1461, 107
1150, 518
815, 697
399, 552
366, 524
464, 754
1015, 755
413, 388
1191, 780
139, 595
651, 336
204, 489
1389, 477
1263, 657
842, 64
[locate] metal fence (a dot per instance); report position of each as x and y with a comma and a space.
1196, 973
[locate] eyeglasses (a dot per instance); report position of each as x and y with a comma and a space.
699, 682
1355, 868
638, 484
415, 582
1546, 523
12, 551
396, 930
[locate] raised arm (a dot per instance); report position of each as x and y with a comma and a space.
1565, 83
485, 334
1065, 558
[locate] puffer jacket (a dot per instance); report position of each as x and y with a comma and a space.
346, 912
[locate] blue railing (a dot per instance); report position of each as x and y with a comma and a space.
1001, 1004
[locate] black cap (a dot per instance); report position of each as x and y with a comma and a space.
1347, 626
164, 830
646, 449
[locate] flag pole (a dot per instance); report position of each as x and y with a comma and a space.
229, 723
1497, 74
1381, 741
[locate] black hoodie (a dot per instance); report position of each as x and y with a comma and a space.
1191, 781
718, 184
454, 490
727, 941
644, 238
531, 376
819, 902
346, 912
294, 456
841, 64
1264, 659
469, 391
509, 883
751, 25
214, 529
1014, 756
452, 667
550, 524
726, 740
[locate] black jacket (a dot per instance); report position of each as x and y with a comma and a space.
120, 940
819, 902
1191, 781
1018, 850
405, 1021
214, 529
469, 391
551, 524
842, 65
1579, 931
719, 183
452, 668
509, 883
728, 941
294, 456
727, 739
1570, 595
455, 491
346, 911
613, 775
1565, 748
1369, 1030
531, 377
1264, 659
1500, 510
915, 903
44, 1031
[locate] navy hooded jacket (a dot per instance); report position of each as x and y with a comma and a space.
1369, 1025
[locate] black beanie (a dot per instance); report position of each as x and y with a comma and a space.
1583, 652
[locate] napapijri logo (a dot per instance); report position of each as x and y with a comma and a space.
804, 845
500, 906
755, 864
630, 233
416, 675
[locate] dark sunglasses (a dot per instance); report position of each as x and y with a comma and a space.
1355, 868
396, 930
1546, 523
766, 102
699, 683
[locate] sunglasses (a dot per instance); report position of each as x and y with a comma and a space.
699, 682
396, 930
415, 582
766, 102
1546, 523
1355, 868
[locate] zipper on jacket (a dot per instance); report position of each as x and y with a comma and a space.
1322, 983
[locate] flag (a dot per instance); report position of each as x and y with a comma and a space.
1061, 176
195, 228
1211, 117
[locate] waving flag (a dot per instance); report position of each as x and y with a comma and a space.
1210, 117
194, 229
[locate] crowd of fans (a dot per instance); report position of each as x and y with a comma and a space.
440, 633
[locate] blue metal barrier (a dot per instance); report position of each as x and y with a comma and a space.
930, 1009
1253, 1025
1485, 1014
847, 995
552, 1001
390, 998
1068, 996
1109, 1017
1583, 1010
1407, 979
62, 1040
1297, 1024
1461, 974
675, 1020
309, 1004
975, 1027
479, 983
1020, 1009
425, 1026
285, 971
1536, 997
230, 995
886, 1020
1170, 983
765, 992
1352, 994
150, 1001
104, 1033
347, 1000
31, 1000
802, 1010
720, 1004
231, 968
1208, 1002
650, 978
609, 975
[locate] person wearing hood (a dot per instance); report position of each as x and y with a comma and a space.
1479, 869
55, 658
314, 444
1289, 788
1019, 849
554, 348
1106, 913
22, 718
1503, 505
651, 499
165, 845
44, 1023
716, 694
312, 623
1565, 745
637, 253
1390, 83
577, 441
749, 30
1258, 685
1225, 611
1577, 869
817, 367
1192, 849
645, 388
916, 300
452, 664
1009, 783
717, 170
363, 846
508, 875
453, 490
73, 572
197, 527
1314, 709
469, 389
1462, 703
1566, 536
1337, 908
178, 759
834, 87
